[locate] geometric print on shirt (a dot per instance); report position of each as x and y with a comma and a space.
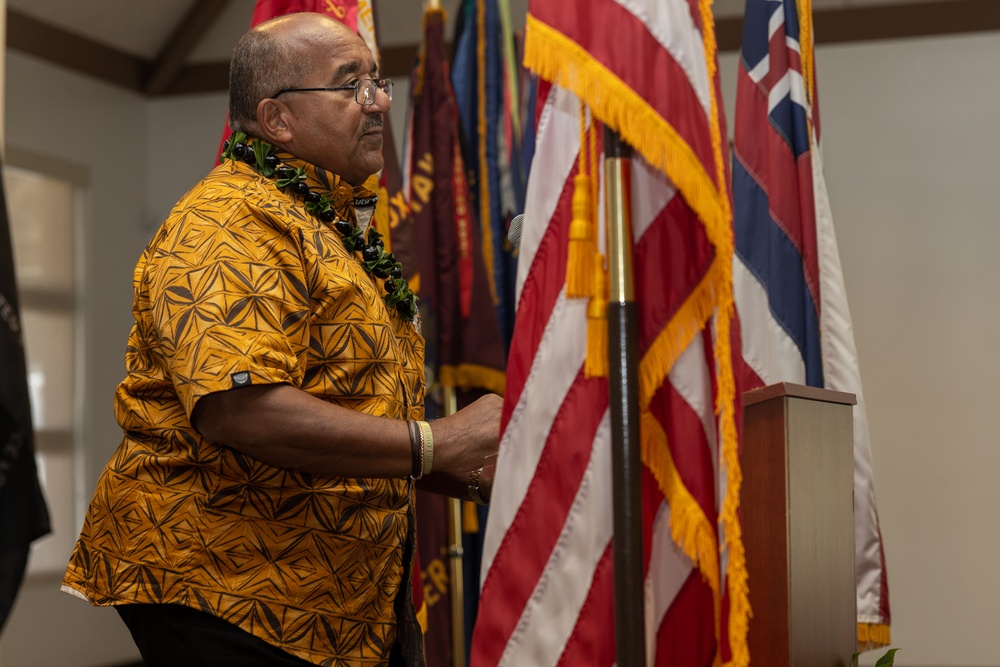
241, 285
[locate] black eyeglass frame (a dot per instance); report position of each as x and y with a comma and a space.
385, 85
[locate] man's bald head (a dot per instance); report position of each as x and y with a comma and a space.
272, 56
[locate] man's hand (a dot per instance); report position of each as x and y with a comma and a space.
465, 440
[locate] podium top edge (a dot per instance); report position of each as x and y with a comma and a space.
791, 390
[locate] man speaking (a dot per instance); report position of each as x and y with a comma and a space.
259, 510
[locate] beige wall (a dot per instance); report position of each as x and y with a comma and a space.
100, 131
910, 145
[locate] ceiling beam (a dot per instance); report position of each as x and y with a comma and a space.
917, 19
899, 21
170, 60
831, 26
85, 56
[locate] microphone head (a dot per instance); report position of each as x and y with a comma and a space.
514, 231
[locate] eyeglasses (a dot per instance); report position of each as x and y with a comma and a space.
364, 90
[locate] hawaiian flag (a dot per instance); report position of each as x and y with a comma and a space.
24, 516
790, 295
547, 591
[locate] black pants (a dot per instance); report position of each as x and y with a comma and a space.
170, 635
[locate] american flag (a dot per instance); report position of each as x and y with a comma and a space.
547, 589
790, 295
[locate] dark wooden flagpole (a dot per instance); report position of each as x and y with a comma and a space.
623, 369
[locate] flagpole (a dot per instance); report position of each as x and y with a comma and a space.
455, 554
623, 366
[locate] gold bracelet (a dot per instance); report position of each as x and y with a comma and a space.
474, 493
426, 448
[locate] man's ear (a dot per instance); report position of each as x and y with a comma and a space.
273, 121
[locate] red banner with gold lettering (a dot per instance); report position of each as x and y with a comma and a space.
465, 349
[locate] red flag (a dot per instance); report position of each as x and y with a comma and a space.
547, 590
345, 11
464, 346
453, 288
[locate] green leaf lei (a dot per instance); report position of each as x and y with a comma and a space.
261, 156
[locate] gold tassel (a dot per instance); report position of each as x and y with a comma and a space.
873, 635
582, 245
597, 323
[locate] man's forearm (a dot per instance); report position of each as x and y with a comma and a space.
289, 428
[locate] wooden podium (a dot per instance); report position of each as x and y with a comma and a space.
798, 525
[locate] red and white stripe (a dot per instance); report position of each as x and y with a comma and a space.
547, 586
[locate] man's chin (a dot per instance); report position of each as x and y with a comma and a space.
373, 159
370, 167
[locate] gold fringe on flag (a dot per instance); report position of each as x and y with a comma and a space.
558, 59
739, 589
689, 526
872, 636
722, 237
806, 47
555, 57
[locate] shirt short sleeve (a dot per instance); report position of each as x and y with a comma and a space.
228, 300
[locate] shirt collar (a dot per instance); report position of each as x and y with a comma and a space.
340, 191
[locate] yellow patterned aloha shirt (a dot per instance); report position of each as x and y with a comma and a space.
241, 285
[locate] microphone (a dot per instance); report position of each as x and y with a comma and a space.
514, 232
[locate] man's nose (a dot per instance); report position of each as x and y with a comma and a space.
381, 103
